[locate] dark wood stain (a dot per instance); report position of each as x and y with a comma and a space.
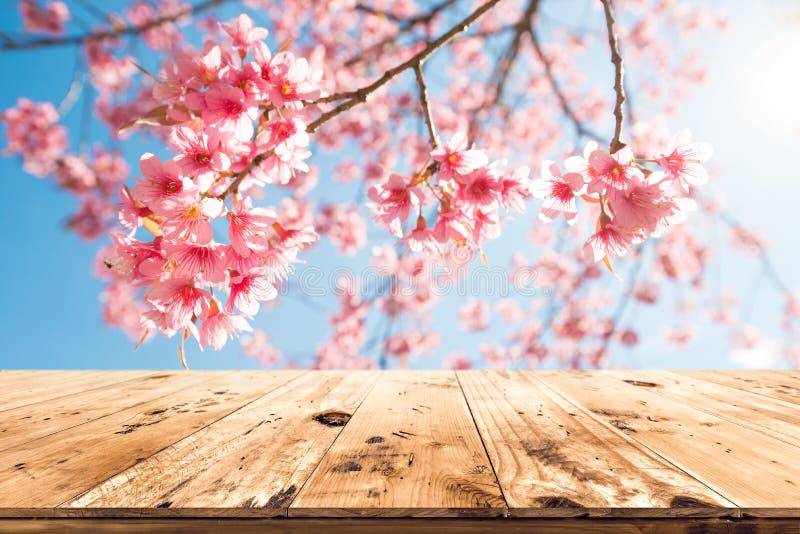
375, 439
332, 418
346, 467
684, 501
642, 384
555, 501
282, 498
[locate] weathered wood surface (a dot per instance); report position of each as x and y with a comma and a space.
621, 451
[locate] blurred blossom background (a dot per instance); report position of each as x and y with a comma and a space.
746, 107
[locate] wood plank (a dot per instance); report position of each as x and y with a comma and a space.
411, 450
33, 421
777, 418
55, 468
783, 385
725, 456
251, 462
36, 387
404, 526
555, 461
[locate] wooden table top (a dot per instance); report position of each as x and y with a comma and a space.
710, 447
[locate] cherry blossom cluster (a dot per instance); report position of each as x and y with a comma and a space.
202, 253
469, 193
48, 19
32, 130
634, 203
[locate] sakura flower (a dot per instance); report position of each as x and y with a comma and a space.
457, 361
162, 181
515, 189
243, 33
195, 259
455, 158
683, 160
200, 153
290, 131
295, 237
249, 226
258, 346
421, 238
292, 80
188, 216
474, 315
49, 19
393, 201
248, 290
218, 326
179, 300
558, 192
608, 240
645, 207
612, 170
230, 110
480, 189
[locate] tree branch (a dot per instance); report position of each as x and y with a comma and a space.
10, 45
406, 25
503, 69
426, 109
566, 107
619, 83
360, 95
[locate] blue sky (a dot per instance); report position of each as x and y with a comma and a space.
748, 110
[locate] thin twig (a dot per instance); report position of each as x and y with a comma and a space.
619, 82
566, 107
106, 34
360, 95
426, 109
406, 25
504, 66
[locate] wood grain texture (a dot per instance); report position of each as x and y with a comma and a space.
404, 526
783, 385
251, 462
432, 451
771, 416
29, 388
725, 456
411, 449
48, 471
33, 421
553, 459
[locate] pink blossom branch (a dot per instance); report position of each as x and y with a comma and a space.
426, 110
619, 83
11, 45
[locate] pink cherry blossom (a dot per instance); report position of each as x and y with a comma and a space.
218, 326
248, 290
683, 160
199, 154
49, 19
558, 192
474, 315
609, 240
243, 33
249, 227
393, 201
456, 158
